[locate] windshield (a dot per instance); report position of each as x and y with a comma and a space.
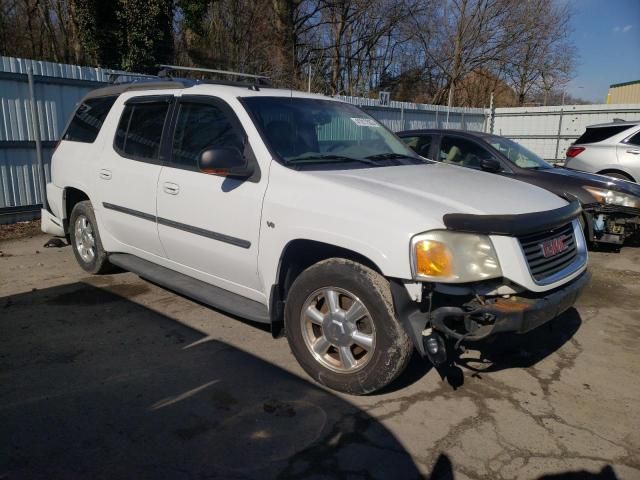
307, 131
517, 154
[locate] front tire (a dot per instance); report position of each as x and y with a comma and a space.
342, 328
85, 239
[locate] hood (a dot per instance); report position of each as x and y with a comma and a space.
594, 180
439, 189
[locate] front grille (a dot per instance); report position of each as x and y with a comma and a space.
542, 267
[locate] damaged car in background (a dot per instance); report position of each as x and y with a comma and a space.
610, 206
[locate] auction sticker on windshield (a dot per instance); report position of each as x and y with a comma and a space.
365, 122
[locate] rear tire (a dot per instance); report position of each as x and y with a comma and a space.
342, 328
85, 239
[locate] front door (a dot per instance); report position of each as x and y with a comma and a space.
210, 224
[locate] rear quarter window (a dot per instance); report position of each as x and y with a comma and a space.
635, 140
598, 134
88, 119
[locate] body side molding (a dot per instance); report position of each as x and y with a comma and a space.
221, 237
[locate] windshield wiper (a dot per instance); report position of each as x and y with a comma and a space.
328, 159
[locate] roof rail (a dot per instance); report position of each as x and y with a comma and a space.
258, 80
117, 78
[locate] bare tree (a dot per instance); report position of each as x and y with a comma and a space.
543, 58
422, 50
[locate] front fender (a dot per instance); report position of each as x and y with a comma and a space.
273, 244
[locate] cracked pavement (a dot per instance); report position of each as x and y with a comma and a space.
113, 377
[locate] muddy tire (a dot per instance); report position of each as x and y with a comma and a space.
85, 240
341, 326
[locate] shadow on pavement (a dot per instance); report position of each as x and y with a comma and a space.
443, 470
606, 473
507, 351
93, 385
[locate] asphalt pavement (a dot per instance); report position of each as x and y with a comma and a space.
114, 377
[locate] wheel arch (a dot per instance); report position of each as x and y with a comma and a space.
297, 255
618, 171
72, 196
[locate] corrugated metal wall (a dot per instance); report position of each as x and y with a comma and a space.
57, 88
398, 116
547, 130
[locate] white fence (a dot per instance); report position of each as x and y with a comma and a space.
549, 131
398, 116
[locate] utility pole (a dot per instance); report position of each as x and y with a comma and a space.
491, 115
309, 83
35, 125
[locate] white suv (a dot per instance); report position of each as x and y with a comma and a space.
611, 149
287, 207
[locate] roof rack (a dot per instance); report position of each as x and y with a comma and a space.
164, 78
258, 80
117, 78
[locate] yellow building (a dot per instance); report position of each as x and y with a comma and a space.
628, 92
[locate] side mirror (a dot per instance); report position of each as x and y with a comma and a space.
490, 165
224, 161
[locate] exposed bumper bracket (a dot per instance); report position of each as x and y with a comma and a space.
520, 315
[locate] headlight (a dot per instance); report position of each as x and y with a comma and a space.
609, 197
453, 257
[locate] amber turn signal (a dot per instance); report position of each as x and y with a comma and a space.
433, 259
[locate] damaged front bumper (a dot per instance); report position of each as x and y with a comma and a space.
469, 321
518, 314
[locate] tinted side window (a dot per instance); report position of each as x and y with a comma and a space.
140, 129
88, 119
463, 152
599, 134
635, 140
123, 126
421, 144
200, 126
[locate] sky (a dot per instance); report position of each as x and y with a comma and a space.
607, 36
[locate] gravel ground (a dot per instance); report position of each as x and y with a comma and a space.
20, 230
113, 377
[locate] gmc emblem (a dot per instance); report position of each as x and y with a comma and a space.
553, 247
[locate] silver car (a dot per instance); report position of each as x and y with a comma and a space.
611, 149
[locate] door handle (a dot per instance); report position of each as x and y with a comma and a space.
634, 151
171, 188
105, 174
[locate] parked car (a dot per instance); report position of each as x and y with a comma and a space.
611, 207
611, 149
290, 208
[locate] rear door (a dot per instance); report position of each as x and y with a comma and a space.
208, 224
128, 174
